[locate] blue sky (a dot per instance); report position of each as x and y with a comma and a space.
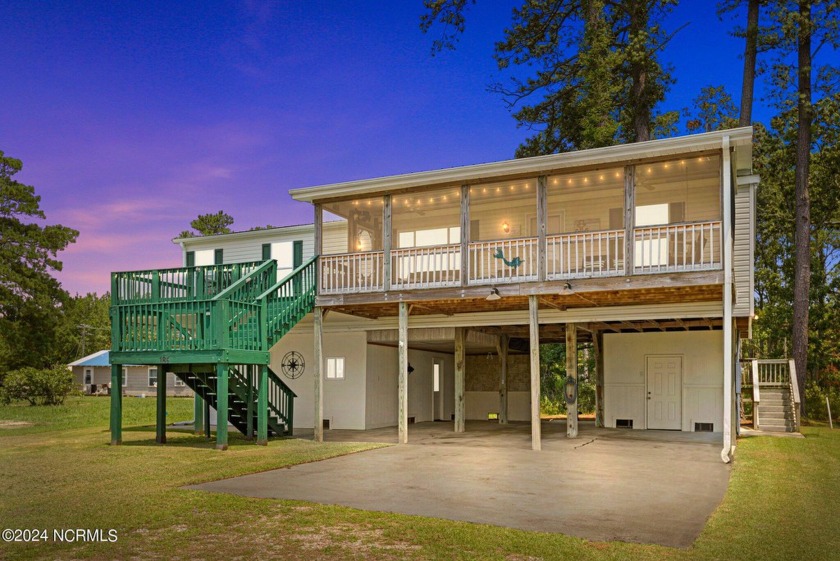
132, 118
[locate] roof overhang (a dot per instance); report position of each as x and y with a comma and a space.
465, 175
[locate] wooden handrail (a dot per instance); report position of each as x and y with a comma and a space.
756, 393
794, 392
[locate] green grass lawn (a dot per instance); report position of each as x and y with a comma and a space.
59, 472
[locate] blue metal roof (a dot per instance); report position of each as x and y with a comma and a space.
101, 358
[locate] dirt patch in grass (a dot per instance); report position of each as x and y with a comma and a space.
4, 424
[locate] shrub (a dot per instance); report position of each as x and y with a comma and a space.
38, 387
815, 402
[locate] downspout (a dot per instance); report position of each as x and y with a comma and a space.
726, 248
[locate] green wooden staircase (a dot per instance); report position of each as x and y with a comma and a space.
213, 327
242, 400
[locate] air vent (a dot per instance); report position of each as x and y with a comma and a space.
624, 423
411, 420
327, 424
704, 427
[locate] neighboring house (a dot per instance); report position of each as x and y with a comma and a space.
644, 249
92, 374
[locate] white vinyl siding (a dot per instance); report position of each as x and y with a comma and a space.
742, 255
247, 246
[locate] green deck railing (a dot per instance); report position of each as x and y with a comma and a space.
217, 307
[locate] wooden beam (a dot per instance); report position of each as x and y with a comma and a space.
534, 324
402, 419
460, 376
502, 350
632, 326
549, 304
571, 371
318, 316
319, 230
116, 404
663, 282
598, 344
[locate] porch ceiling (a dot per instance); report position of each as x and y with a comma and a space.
563, 299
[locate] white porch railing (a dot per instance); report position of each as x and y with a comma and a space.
426, 267
773, 372
352, 272
677, 247
503, 261
585, 254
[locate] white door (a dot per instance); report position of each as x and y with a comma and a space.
664, 392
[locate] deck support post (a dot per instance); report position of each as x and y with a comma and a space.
249, 393
318, 315
465, 235
534, 328
262, 406
116, 404
502, 350
386, 243
222, 396
571, 372
598, 344
542, 218
198, 414
403, 374
207, 419
460, 377
160, 436
629, 219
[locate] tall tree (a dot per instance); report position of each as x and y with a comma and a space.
597, 79
29, 295
713, 110
28, 250
802, 29
209, 225
752, 35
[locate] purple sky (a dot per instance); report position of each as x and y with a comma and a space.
132, 118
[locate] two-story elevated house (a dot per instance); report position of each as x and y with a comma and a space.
425, 296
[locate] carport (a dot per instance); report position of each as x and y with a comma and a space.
609, 484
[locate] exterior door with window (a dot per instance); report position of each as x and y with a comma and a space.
664, 392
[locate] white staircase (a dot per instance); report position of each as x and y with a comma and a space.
775, 395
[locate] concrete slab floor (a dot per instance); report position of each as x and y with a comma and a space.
638, 486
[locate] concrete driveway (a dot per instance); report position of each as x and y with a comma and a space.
639, 486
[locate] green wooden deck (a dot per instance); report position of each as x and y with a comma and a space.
219, 318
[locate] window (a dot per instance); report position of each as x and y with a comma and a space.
124, 376
88, 376
153, 376
190, 259
266, 251
436, 379
335, 368
218, 256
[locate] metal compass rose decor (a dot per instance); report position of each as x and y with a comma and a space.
293, 365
